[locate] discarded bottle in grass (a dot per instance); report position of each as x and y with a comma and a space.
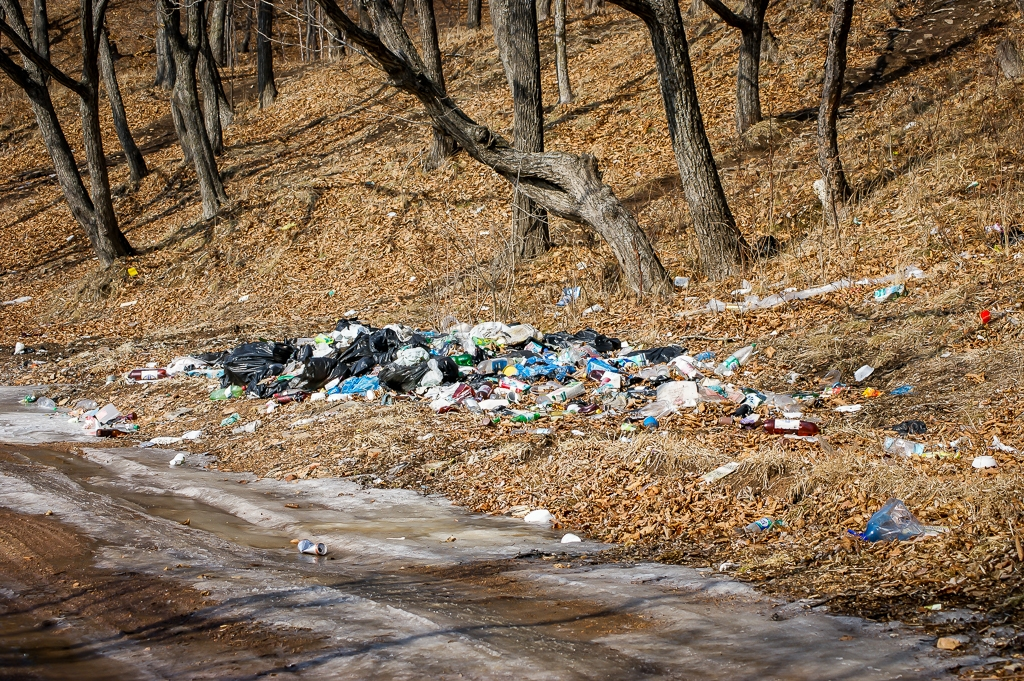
735, 361
306, 546
567, 393
884, 294
227, 393
514, 385
761, 525
898, 445
29, 399
463, 360
525, 417
147, 374
790, 427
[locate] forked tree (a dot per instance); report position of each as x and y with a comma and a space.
567, 185
93, 210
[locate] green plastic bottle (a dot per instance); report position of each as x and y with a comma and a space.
227, 393
463, 360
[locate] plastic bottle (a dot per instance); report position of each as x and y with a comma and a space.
735, 360
46, 404
790, 427
463, 360
906, 448
761, 525
525, 417
147, 374
512, 384
227, 393
564, 395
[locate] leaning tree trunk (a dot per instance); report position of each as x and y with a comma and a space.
722, 247
474, 10
515, 31
264, 54
136, 163
567, 185
218, 21
165, 69
561, 59
442, 145
837, 189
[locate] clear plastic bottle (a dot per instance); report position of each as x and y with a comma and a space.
735, 360
790, 427
567, 393
227, 393
761, 525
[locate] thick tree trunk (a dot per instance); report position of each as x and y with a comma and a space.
593, 6
722, 248
41, 28
568, 185
399, 8
836, 186
136, 163
442, 145
182, 134
515, 31
218, 21
264, 54
211, 102
165, 69
561, 60
474, 10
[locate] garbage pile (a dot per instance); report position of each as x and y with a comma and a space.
501, 372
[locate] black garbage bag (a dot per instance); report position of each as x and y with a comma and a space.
381, 345
403, 379
317, 371
250, 363
598, 341
447, 366
911, 427
363, 365
658, 355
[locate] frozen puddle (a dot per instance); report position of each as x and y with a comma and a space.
395, 599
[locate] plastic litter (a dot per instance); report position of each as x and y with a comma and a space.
888, 293
540, 517
911, 427
902, 390
892, 522
570, 294
1000, 447
721, 472
570, 539
984, 462
904, 448
762, 525
863, 373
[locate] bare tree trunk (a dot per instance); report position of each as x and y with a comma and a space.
543, 10
568, 185
41, 28
217, 112
515, 31
561, 60
182, 133
474, 10
751, 24
185, 100
218, 20
136, 163
722, 247
165, 69
264, 54
442, 145
399, 8
593, 6
696, 9
837, 189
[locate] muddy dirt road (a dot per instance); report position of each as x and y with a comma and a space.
114, 564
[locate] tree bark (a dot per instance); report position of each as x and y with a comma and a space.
836, 186
165, 69
185, 100
567, 185
543, 10
136, 163
722, 247
442, 145
561, 59
247, 29
750, 23
95, 214
264, 53
515, 32
218, 21
474, 10
217, 112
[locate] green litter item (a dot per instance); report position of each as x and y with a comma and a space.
227, 393
234, 418
463, 360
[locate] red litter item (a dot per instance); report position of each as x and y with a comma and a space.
986, 316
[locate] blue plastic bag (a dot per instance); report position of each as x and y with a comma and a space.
357, 385
892, 522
